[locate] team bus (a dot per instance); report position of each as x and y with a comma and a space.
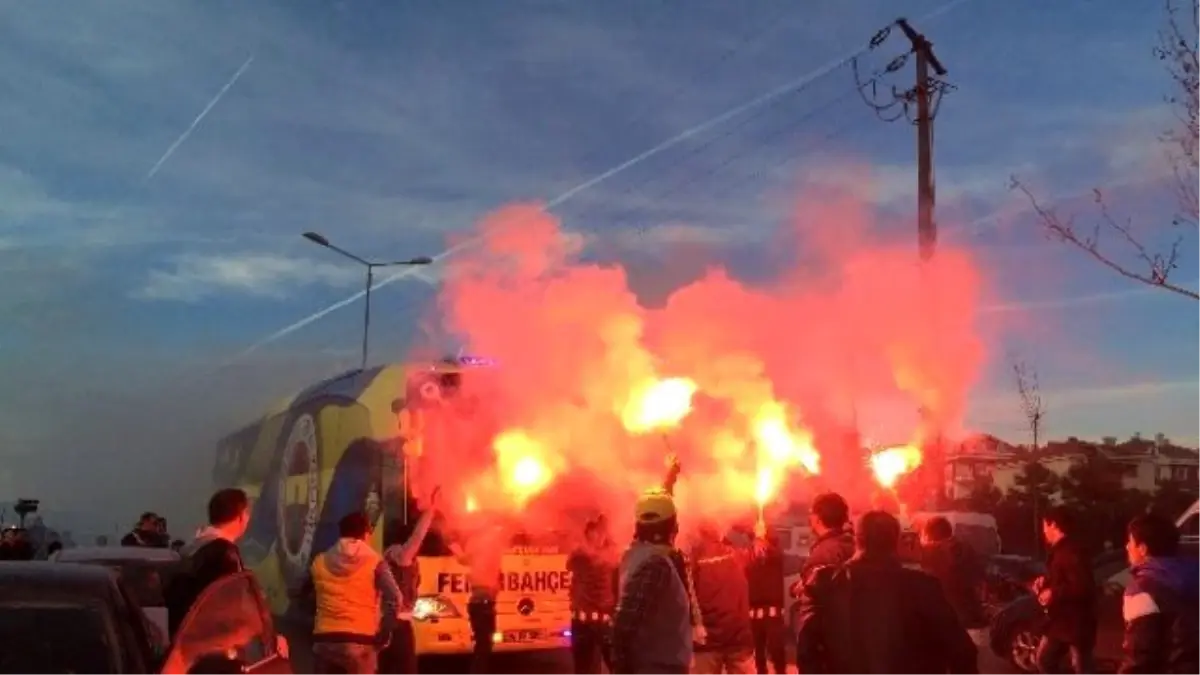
350, 443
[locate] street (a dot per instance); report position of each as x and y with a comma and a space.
556, 661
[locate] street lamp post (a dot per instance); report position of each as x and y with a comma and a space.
320, 240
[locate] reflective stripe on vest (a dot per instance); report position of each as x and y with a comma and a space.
346, 603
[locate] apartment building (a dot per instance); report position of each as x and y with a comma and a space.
1142, 464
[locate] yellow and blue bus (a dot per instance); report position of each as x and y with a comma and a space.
346, 444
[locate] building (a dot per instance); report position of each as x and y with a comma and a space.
977, 457
1141, 464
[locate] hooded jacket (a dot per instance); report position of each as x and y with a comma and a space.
1159, 608
207, 558
355, 589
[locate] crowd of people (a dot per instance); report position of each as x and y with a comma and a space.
715, 607
150, 531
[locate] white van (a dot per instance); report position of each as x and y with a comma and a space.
977, 530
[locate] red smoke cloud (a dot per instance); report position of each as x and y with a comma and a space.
858, 333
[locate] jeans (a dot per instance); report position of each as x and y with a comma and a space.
482, 615
769, 636
590, 646
400, 656
344, 658
1051, 652
734, 662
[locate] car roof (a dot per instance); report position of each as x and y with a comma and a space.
116, 553
47, 574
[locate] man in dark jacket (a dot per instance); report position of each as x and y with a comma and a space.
1161, 602
872, 615
833, 543
960, 572
400, 654
765, 576
719, 578
212, 555
1068, 594
144, 533
593, 568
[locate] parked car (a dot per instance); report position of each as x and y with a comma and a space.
1017, 628
1009, 577
145, 571
72, 618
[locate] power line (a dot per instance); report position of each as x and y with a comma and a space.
744, 122
752, 104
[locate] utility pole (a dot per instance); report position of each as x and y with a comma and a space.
923, 92
919, 105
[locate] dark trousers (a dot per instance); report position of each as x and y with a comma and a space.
400, 656
482, 615
1051, 653
769, 644
590, 646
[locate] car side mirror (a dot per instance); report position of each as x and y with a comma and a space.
216, 664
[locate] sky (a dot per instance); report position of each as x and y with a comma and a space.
159, 161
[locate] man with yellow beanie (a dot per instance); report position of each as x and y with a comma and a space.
652, 629
357, 601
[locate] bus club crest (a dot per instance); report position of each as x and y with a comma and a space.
299, 477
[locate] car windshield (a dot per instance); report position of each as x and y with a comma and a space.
145, 579
56, 637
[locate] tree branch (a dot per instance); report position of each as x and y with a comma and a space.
1160, 265
1176, 49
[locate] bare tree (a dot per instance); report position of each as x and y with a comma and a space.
1133, 255
1031, 399
1035, 411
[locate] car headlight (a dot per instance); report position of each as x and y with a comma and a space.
434, 607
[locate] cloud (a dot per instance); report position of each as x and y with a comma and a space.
195, 277
387, 130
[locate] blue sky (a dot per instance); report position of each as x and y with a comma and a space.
140, 256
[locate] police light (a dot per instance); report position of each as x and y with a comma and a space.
475, 361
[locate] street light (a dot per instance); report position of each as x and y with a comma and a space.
320, 240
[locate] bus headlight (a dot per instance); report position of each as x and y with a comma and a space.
434, 607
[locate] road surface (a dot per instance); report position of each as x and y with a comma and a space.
559, 663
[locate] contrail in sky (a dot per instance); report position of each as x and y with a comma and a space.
599, 178
199, 118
